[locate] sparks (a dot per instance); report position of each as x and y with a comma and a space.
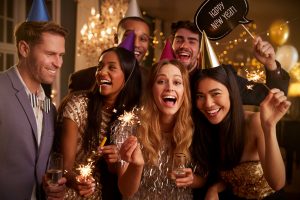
255, 76
85, 170
249, 87
129, 118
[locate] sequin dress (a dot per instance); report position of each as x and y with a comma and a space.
76, 110
247, 180
156, 182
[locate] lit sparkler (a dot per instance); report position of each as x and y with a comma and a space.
256, 76
85, 170
129, 118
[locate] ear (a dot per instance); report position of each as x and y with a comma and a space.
23, 48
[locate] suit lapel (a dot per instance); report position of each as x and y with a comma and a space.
23, 99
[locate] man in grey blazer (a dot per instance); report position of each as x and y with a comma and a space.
26, 114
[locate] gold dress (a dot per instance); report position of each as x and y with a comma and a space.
247, 180
76, 110
157, 184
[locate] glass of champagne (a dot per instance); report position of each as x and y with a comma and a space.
179, 164
55, 168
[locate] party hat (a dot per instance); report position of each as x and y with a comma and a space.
133, 10
38, 11
167, 52
128, 42
208, 56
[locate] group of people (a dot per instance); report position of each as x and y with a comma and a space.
186, 109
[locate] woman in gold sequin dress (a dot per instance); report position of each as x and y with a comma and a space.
166, 128
241, 146
86, 119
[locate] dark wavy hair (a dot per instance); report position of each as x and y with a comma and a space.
127, 99
218, 146
186, 25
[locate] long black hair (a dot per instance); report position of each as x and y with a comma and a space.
218, 146
127, 99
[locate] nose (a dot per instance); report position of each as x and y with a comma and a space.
170, 87
208, 102
183, 44
58, 61
136, 41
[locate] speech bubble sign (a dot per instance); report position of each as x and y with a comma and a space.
218, 18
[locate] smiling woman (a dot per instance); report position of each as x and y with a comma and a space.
166, 128
85, 118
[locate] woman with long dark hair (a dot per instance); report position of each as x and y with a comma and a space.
239, 147
87, 116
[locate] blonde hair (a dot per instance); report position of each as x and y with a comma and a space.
150, 133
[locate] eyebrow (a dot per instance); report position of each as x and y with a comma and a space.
176, 75
210, 91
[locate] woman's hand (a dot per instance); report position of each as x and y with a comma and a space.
131, 152
273, 108
110, 153
185, 181
85, 185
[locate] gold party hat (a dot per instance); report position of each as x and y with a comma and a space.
208, 56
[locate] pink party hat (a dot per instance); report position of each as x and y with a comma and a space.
133, 10
128, 42
167, 53
38, 11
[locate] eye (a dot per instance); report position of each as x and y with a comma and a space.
177, 83
200, 96
144, 39
215, 94
161, 81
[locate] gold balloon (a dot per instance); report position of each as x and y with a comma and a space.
279, 32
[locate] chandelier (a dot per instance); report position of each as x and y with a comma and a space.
98, 34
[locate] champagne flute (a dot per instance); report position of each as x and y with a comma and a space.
55, 168
179, 164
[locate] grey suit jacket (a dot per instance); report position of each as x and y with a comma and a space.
22, 162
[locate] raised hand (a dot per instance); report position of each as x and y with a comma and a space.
273, 108
264, 53
110, 153
130, 151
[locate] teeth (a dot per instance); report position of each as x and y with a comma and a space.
169, 97
103, 81
137, 53
51, 71
213, 111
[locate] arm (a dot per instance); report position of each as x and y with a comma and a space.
131, 172
69, 145
272, 109
214, 190
276, 77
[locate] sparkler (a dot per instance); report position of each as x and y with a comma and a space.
256, 76
86, 170
124, 127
